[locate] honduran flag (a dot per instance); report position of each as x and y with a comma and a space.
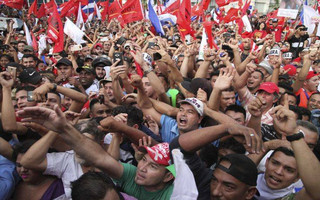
154, 19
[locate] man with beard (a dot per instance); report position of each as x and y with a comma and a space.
99, 65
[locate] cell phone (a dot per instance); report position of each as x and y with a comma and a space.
222, 54
30, 96
76, 48
151, 44
121, 40
118, 56
12, 71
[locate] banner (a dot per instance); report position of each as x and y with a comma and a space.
289, 8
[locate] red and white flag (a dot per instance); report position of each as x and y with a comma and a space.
132, 11
55, 31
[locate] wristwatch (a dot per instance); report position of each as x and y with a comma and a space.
296, 136
148, 71
54, 88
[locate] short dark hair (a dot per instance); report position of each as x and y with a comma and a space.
22, 148
30, 56
308, 125
284, 150
135, 115
233, 145
92, 185
236, 108
26, 88
10, 58
262, 75
93, 102
285, 86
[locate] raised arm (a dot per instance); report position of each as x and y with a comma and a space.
307, 61
83, 146
35, 158
222, 83
143, 100
308, 164
194, 140
8, 114
209, 56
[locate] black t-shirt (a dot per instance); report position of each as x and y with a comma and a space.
202, 175
296, 44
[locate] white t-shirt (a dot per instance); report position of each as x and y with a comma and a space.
64, 166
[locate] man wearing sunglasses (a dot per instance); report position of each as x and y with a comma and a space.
299, 38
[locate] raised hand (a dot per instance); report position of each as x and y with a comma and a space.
138, 155
284, 120
136, 81
224, 79
255, 107
6, 79
209, 55
247, 136
53, 120
39, 94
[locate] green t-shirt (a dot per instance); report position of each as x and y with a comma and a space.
289, 197
129, 186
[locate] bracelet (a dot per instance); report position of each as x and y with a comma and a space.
148, 71
296, 136
54, 88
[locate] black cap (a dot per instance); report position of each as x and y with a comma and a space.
86, 68
101, 61
197, 83
30, 75
64, 61
241, 167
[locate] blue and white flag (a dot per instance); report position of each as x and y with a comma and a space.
154, 19
89, 8
165, 18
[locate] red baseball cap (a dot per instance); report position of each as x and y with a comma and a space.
159, 153
311, 74
98, 45
292, 71
269, 87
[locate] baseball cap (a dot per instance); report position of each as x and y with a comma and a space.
28, 48
196, 103
274, 52
86, 68
274, 20
311, 74
104, 81
30, 75
88, 57
287, 55
196, 83
101, 61
64, 61
98, 45
292, 71
265, 64
241, 167
269, 87
160, 153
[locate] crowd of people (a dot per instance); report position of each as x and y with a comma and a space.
130, 115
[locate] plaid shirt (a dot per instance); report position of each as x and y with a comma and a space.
246, 99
